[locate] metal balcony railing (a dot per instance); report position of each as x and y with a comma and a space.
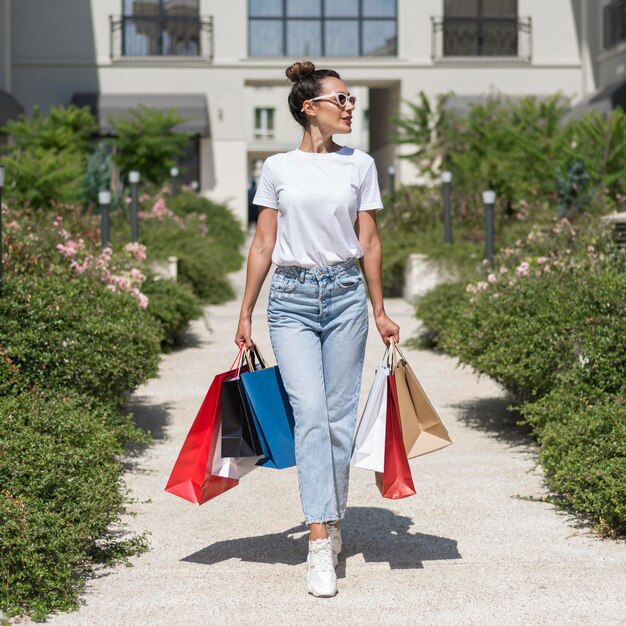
140, 37
481, 38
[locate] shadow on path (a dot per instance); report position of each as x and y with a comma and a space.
490, 415
379, 535
153, 418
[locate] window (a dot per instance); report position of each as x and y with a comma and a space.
160, 28
480, 28
264, 124
314, 28
614, 23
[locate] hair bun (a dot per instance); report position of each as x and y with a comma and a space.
299, 70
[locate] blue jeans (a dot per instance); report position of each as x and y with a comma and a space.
318, 326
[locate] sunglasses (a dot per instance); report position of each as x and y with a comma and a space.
340, 98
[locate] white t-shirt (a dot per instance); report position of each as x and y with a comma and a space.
317, 197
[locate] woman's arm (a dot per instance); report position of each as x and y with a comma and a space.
259, 263
371, 264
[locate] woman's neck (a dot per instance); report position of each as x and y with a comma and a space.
314, 141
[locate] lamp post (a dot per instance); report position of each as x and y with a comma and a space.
133, 178
174, 175
446, 179
1, 245
104, 200
489, 200
391, 170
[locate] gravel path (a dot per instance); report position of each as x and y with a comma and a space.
469, 548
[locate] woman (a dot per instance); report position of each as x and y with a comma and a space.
317, 212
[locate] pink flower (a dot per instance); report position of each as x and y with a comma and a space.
492, 278
504, 269
143, 301
508, 251
542, 259
136, 250
522, 268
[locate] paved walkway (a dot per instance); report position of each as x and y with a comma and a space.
469, 548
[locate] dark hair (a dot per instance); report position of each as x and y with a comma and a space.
307, 84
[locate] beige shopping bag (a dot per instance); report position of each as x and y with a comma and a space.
422, 429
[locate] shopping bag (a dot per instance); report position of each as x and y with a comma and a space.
395, 481
239, 435
368, 450
191, 477
231, 467
422, 429
272, 414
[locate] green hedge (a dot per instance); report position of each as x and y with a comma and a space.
555, 339
173, 305
75, 334
60, 491
206, 237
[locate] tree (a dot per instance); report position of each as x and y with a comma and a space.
147, 143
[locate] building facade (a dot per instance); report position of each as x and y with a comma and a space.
221, 64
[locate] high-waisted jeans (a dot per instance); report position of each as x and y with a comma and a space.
318, 326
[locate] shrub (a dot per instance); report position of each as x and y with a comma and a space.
75, 334
173, 305
60, 493
206, 244
584, 457
550, 328
147, 143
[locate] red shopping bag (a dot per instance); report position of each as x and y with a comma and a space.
396, 481
191, 477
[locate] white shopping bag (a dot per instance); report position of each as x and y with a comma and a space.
231, 467
368, 451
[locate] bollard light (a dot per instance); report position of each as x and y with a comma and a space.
195, 185
133, 178
391, 170
489, 200
104, 200
446, 179
1, 244
174, 175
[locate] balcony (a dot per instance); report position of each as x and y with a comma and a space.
481, 38
161, 37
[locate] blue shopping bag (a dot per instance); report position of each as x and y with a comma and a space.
273, 417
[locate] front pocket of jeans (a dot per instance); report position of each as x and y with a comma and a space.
284, 284
347, 281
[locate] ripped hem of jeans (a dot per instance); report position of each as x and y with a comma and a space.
322, 519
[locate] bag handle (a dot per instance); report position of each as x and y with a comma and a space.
237, 359
252, 355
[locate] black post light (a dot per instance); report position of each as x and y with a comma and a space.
446, 179
174, 175
1, 244
133, 178
489, 200
104, 200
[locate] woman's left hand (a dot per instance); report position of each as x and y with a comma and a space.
387, 329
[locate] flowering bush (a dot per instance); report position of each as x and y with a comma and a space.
548, 324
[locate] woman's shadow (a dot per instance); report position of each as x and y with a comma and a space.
378, 534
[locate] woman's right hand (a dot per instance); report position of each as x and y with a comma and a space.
243, 336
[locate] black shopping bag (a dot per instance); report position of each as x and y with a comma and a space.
239, 435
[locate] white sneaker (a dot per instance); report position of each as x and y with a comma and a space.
334, 535
321, 576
